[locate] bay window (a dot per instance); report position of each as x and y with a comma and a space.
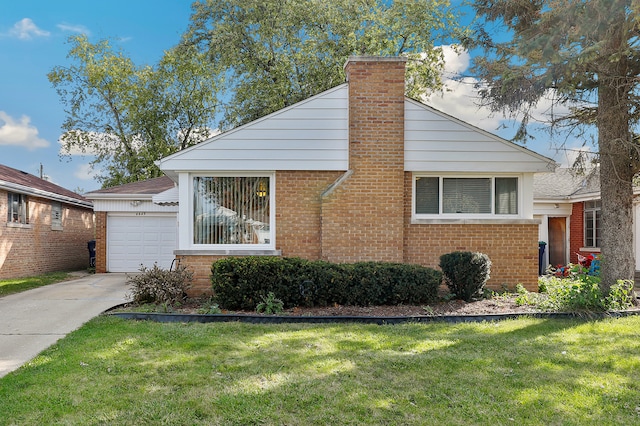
232, 210
465, 196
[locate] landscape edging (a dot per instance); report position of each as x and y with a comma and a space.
281, 319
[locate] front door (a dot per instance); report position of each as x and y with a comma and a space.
557, 241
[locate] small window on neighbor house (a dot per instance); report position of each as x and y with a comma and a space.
592, 217
18, 211
466, 196
56, 215
232, 210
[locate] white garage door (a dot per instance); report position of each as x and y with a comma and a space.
135, 240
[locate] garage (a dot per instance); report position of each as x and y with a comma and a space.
136, 240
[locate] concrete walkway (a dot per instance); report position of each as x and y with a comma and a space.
33, 320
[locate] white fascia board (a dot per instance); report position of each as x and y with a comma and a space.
119, 196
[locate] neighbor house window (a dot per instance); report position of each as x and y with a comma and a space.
232, 210
466, 195
56, 215
18, 211
592, 215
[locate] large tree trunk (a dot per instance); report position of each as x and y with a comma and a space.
616, 188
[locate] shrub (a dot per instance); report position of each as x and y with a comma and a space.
465, 273
241, 283
579, 293
160, 286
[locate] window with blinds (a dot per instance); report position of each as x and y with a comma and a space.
231, 210
18, 208
466, 196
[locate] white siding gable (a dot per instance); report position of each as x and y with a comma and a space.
310, 135
437, 142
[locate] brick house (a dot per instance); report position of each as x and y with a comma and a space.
358, 172
47, 227
569, 208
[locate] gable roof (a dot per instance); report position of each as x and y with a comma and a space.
148, 188
314, 135
567, 184
15, 180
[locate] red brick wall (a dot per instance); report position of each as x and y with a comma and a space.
37, 249
576, 233
362, 218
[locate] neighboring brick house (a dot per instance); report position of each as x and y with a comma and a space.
567, 203
357, 173
47, 228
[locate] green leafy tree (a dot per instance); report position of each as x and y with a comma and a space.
586, 56
277, 53
129, 116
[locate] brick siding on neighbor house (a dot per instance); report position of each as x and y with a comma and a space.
576, 238
37, 248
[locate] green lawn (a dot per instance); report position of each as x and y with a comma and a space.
518, 372
16, 285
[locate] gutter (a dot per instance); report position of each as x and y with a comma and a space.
45, 194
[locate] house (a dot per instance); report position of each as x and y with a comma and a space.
142, 227
356, 173
568, 206
47, 227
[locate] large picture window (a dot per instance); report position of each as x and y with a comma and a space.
231, 210
592, 215
436, 195
18, 211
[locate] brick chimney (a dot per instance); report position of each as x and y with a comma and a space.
362, 218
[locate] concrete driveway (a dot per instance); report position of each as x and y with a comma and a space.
33, 320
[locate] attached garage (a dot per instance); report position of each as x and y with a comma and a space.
144, 239
136, 224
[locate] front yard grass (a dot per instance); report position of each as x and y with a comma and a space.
520, 372
17, 285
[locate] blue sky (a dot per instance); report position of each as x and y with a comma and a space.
33, 37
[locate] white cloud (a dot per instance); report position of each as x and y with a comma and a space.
83, 143
26, 29
80, 29
19, 132
85, 172
461, 99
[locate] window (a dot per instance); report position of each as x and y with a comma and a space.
56, 215
466, 196
232, 210
592, 215
18, 211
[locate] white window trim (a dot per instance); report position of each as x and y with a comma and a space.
595, 249
231, 248
474, 218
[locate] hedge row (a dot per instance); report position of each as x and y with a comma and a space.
240, 282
